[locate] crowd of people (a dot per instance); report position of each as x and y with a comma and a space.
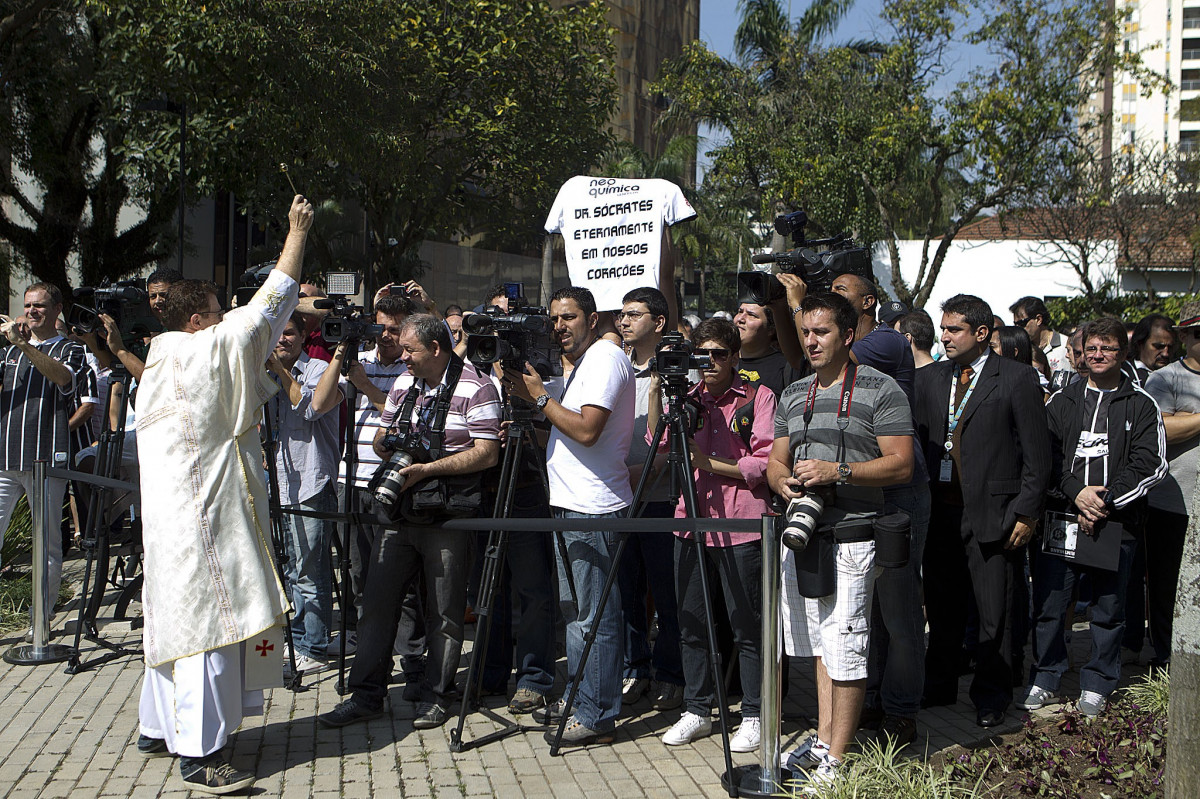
1033, 468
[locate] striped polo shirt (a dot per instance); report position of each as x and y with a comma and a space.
474, 412
33, 410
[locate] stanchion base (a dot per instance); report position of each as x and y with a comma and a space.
747, 781
28, 655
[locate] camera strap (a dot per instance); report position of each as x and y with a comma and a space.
440, 407
843, 413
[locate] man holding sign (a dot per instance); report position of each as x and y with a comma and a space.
1109, 450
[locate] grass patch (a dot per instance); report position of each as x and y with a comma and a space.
18, 541
1151, 693
880, 770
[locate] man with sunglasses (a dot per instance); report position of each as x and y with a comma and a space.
648, 560
1176, 389
1108, 450
1031, 315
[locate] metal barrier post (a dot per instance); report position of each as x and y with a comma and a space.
766, 778
41, 650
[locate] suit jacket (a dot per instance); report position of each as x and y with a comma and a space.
1004, 439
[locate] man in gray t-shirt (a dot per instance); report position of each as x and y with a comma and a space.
855, 455
1176, 389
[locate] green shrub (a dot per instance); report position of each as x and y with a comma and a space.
882, 771
1151, 693
18, 540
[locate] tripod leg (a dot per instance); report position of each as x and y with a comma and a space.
687, 480
490, 581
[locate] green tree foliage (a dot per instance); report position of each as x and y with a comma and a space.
862, 139
433, 118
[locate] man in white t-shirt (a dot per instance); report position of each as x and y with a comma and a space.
591, 421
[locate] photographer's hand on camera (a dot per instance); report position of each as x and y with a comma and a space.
815, 473
116, 345
15, 330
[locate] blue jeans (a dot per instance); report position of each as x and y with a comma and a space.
590, 556
896, 663
308, 573
1053, 583
649, 563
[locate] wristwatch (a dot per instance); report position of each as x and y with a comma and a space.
542, 401
843, 473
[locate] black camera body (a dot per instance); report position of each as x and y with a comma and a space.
523, 334
407, 449
347, 323
126, 302
674, 357
817, 268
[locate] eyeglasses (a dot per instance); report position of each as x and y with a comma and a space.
716, 353
632, 316
1104, 351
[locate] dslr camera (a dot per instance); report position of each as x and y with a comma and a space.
802, 515
406, 449
817, 268
511, 339
346, 321
126, 302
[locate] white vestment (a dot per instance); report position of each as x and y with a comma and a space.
210, 578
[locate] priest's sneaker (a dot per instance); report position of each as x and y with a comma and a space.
213, 775
152, 747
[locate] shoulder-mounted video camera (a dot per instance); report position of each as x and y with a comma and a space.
126, 302
523, 334
817, 268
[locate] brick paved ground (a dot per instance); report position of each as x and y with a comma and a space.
73, 736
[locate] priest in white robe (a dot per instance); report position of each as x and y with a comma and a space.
211, 589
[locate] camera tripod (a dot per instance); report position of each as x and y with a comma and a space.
96, 541
518, 441
672, 423
292, 679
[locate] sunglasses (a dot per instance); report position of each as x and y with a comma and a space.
716, 353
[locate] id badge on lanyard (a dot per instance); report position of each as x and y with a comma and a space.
946, 468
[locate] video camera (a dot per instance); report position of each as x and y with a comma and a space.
126, 302
818, 270
346, 321
523, 334
673, 357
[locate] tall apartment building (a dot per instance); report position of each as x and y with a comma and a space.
1167, 34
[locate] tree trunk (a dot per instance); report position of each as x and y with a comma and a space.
1183, 743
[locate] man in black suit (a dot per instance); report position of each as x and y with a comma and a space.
982, 426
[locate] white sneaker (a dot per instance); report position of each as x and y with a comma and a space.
747, 737
307, 665
687, 729
820, 778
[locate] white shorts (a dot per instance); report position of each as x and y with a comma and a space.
835, 628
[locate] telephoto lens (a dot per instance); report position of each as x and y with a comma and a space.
802, 515
389, 488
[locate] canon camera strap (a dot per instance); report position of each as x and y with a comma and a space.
441, 408
843, 414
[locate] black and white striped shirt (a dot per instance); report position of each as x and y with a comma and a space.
33, 410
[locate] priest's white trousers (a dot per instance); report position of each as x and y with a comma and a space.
195, 703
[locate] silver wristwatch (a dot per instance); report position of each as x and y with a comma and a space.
542, 402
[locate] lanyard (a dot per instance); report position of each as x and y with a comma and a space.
954, 414
843, 414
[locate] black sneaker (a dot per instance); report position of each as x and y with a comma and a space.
152, 747
900, 729
213, 775
429, 716
351, 711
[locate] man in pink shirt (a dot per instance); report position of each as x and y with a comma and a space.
730, 473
